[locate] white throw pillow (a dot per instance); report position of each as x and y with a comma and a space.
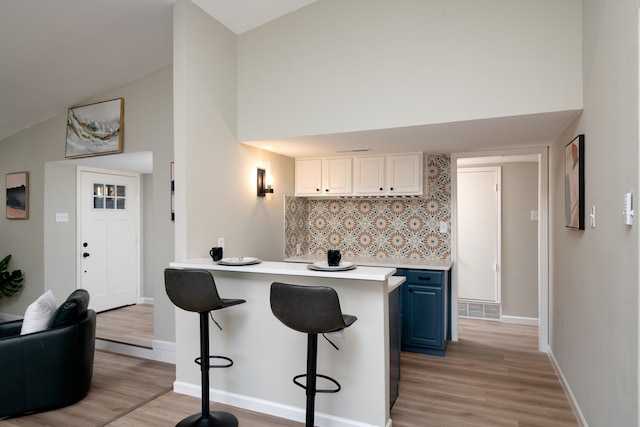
39, 314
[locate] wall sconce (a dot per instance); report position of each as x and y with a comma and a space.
263, 186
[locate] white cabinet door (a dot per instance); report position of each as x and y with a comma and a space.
369, 175
404, 176
338, 176
308, 177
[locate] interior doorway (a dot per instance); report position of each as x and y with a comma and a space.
108, 237
540, 157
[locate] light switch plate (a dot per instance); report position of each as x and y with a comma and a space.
62, 217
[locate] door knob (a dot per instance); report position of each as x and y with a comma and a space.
85, 254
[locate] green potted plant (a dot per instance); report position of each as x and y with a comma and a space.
10, 282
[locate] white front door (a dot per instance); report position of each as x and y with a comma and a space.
109, 221
479, 233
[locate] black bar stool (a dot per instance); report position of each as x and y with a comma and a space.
195, 290
312, 310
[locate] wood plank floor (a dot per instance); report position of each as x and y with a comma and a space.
132, 325
493, 376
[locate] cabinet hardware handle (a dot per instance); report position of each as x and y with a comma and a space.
317, 189
327, 190
410, 290
424, 278
391, 189
381, 188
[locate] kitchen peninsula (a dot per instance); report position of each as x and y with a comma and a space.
267, 355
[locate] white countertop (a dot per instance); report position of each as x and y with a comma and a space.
420, 264
299, 268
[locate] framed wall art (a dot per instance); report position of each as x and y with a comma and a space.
17, 187
574, 183
95, 129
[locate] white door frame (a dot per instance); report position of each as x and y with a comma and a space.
80, 169
542, 154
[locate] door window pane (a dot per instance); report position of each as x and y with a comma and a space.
109, 196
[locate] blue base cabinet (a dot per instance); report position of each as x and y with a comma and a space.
425, 314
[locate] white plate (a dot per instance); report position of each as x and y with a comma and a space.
241, 260
324, 266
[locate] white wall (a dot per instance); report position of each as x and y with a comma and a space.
337, 66
46, 250
594, 273
519, 240
216, 175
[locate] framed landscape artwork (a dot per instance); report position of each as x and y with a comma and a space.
17, 187
95, 129
574, 183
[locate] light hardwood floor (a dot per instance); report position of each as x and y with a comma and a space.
493, 376
131, 325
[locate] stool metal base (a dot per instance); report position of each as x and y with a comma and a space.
215, 419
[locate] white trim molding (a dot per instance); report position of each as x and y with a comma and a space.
567, 390
266, 406
531, 321
162, 351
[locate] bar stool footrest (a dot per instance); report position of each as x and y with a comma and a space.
198, 361
299, 384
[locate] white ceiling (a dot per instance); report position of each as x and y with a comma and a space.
57, 54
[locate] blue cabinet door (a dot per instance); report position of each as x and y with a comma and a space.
423, 311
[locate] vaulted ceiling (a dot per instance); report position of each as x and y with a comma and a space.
57, 54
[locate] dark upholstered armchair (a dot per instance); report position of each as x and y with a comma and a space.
48, 369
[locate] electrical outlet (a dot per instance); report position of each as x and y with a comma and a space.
221, 242
444, 227
298, 249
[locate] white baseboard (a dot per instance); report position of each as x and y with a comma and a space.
266, 407
162, 351
531, 321
145, 301
567, 390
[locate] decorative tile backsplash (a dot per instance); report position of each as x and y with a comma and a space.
376, 227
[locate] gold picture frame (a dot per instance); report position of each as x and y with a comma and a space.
95, 129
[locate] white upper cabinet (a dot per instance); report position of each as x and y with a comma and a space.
308, 177
378, 175
324, 177
404, 175
337, 176
368, 175
388, 175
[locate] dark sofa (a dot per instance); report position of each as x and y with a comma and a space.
48, 369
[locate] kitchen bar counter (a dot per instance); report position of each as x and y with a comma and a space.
267, 354
417, 264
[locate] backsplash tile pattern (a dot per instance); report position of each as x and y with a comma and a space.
371, 227
296, 223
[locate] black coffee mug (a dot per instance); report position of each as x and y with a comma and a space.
333, 257
216, 253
